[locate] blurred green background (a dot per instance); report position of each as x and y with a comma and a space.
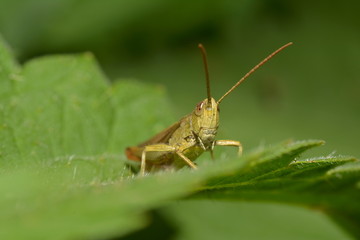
311, 90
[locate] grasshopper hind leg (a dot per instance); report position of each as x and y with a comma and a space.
162, 148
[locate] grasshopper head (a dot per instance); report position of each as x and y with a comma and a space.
205, 117
205, 121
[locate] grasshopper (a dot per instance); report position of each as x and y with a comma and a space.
184, 141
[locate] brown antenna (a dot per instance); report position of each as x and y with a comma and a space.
206, 68
253, 70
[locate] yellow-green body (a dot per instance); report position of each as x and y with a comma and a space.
190, 137
196, 132
183, 142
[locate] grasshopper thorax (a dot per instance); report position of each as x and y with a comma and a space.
205, 121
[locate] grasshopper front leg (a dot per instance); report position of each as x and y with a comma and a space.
162, 148
229, 143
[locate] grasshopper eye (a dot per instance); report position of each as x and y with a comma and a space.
199, 107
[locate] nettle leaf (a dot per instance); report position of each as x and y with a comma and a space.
63, 173
330, 184
63, 130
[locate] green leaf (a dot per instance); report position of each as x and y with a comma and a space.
63, 129
330, 184
63, 173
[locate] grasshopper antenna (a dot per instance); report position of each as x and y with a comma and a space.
253, 70
206, 68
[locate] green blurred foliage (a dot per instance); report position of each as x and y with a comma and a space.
308, 91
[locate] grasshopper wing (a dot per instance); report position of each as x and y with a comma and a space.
163, 136
134, 153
